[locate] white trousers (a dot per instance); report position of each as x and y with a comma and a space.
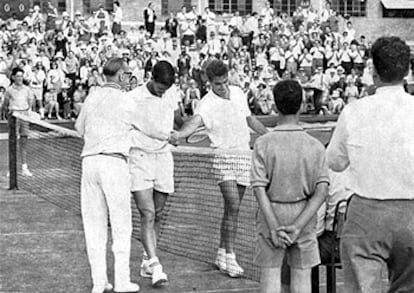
105, 188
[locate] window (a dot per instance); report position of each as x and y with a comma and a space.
402, 13
285, 6
109, 5
164, 7
61, 5
350, 7
400, 8
230, 6
87, 6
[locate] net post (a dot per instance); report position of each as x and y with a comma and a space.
12, 153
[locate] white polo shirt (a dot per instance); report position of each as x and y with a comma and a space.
154, 117
374, 136
106, 122
20, 98
225, 120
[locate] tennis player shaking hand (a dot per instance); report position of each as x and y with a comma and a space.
226, 117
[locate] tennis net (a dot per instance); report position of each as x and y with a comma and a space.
191, 222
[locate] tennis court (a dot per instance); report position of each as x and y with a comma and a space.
190, 227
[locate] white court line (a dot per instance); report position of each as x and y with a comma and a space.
223, 290
43, 233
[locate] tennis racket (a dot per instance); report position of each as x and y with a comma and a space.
200, 135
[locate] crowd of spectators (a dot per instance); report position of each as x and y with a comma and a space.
63, 58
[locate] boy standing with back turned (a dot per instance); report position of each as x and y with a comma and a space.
290, 181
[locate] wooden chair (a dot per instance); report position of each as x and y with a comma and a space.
333, 263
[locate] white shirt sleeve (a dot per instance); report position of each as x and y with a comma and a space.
337, 152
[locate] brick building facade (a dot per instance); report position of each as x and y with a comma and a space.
370, 17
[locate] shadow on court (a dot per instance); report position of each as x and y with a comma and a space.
43, 250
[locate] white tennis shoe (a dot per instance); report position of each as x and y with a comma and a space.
102, 289
146, 270
25, 171
158, 276
152, 268
220, 261
126, 288
233, 269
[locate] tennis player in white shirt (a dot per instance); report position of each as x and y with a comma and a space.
225, 114
151, 161
106, 122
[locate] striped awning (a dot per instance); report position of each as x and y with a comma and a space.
398, 4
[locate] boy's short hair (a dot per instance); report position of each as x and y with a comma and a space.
163, 72
391, 57
216, 68
288, 96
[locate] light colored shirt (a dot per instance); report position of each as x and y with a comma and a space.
20, 98
374, 137
225, 119
118, 15
106, 122
289, 163
155, 118
338, 190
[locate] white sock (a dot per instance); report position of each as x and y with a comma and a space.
153, 260
221, 252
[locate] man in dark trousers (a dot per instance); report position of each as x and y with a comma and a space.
171, 25
149, 18
374, 138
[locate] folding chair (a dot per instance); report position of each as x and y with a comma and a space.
333, 263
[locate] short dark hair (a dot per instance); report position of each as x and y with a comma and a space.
216, 68
16, 70
288, 96
391, 57
112, 66
163, 72
117, 3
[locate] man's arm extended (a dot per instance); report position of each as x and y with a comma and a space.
188, 128
256, 125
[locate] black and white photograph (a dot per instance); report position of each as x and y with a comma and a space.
210, 146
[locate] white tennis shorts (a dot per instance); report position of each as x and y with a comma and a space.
151, 170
